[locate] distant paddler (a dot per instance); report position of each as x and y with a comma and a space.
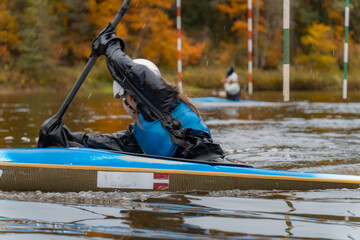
231, 86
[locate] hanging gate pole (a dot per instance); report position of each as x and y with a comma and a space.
346, 48
178, 26
286, 46
250, 63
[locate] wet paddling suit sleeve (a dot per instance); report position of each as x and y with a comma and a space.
118, 141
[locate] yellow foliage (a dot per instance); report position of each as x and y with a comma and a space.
320, 44
8, 32
320, 37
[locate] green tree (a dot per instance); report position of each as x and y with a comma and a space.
37, 57
75, 32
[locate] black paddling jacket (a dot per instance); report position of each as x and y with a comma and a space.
144, 80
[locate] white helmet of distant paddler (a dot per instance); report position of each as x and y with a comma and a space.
233, 77
118, 91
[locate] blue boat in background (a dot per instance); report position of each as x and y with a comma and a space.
220, 102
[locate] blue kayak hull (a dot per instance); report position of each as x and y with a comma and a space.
83, 169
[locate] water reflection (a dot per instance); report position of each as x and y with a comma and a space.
315, 136
314, 214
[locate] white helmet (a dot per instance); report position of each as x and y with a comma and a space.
233, 77
119, 91
148, 64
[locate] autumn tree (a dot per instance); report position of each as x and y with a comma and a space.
9, 37
147, 30
331, 15
237, 12
319, 46
75, 31
200, 20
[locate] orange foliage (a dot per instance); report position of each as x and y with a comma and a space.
274, 53
192, 53
103, 12
240, 27
234, 8
147, 31
8, 32
237, 10
224, 58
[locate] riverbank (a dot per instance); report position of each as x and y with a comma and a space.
301, 78
195, 79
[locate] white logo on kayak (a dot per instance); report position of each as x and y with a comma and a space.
133, 180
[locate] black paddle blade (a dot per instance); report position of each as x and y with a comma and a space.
51, 133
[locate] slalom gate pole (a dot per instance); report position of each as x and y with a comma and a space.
178, 26
346, 48
286, 46
250, 62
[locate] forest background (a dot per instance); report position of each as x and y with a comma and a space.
46, 43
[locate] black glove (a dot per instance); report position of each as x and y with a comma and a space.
100, 43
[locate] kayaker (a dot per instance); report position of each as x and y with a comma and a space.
166, 122
231, 86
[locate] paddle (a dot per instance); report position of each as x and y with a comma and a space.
54, 123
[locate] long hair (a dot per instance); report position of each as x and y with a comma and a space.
181, 95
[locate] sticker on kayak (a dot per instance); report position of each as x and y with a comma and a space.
133, 180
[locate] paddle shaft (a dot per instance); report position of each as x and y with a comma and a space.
90, 64
76, 86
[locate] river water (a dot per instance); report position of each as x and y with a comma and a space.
320, 134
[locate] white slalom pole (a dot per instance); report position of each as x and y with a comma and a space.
346, 48
178, 26
250, 62
286, 46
